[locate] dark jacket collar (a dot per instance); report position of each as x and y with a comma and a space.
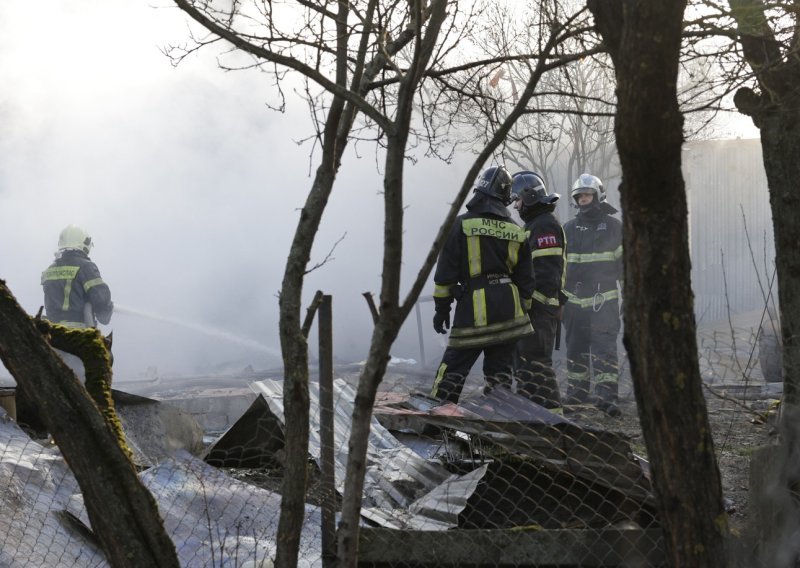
481, 203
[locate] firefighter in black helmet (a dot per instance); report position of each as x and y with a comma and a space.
536, 378
591, 315
485, 265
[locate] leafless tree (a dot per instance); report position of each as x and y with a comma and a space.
130, 531
568, 128
768, 35
379, 61
644, 40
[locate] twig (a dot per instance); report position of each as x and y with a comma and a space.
311, 312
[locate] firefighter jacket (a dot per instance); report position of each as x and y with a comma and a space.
486, 266
546, 238
69, 283
594, 257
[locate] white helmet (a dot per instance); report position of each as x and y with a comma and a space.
75, 238
587, 183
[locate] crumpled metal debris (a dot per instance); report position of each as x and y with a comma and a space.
401, 489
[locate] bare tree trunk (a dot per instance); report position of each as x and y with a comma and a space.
340, 118
294, 348
644, 40
389, 316
122, 511
392, 314
776, 113
368, 384
780, 141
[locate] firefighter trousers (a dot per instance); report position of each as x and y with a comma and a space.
457, 363
536, 378
591, 338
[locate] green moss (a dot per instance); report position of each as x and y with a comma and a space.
90, 346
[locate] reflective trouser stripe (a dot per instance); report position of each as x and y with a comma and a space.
577, 375
601, 378
439, 376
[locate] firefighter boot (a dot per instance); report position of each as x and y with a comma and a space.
577, 392
607, 399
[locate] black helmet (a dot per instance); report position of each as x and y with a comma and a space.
588, 183
530, 188
495, 182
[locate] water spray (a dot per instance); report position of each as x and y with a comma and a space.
221, 334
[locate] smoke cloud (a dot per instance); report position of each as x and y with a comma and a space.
190, 187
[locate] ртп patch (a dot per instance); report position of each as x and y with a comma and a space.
547, 240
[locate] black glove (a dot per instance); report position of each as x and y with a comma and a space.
441, 322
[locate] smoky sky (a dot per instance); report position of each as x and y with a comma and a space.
190, 187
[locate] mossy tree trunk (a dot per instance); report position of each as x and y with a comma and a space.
122, 511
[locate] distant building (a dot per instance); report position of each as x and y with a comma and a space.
728, 199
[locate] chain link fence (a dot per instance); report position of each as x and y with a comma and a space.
493, 481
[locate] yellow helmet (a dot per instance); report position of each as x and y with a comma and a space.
75, 238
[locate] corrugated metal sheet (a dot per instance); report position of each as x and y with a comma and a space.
215, 520
401, 488
726, 186
36, 487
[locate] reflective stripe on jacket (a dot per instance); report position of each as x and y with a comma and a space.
486, 266
546, 238
594, 258
69, 283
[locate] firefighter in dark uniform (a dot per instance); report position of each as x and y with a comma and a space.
591, 315
74, 293
76, 296
485, 265
536, 378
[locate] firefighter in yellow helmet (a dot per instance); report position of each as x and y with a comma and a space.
75, 294
485, 266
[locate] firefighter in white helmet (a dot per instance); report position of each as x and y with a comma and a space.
75, 294
591, 314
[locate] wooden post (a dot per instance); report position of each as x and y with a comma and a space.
419, 335
327, 456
